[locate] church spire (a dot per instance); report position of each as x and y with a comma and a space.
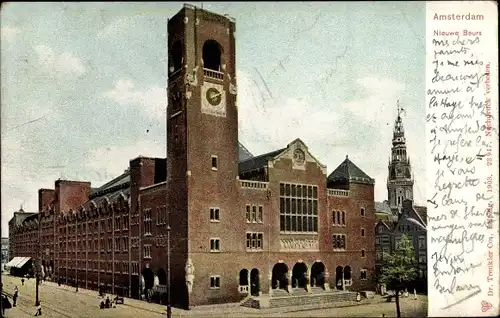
400, 180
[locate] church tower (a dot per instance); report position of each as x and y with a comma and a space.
400, 180
202, 143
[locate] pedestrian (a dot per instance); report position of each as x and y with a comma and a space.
14, 299
107, 302
38, 309
16, 289
22, 281
5, 304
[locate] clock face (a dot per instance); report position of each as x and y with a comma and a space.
213, 96
298, 156
399, 170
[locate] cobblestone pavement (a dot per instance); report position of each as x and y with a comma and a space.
64, 301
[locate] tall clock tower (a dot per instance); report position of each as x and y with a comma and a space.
202, 141
400, 180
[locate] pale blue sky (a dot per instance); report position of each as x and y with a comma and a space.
91, 77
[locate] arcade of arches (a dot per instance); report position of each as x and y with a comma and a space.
300, 276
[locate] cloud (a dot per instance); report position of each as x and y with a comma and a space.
59, 64
361, 128
112, 161
267, 124
115, 27
153, 99
9, 34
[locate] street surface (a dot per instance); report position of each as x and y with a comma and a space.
65, 302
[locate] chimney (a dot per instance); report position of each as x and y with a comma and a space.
71, 194
45, 197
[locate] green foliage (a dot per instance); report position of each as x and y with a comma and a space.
399, 268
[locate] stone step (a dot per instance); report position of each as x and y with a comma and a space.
308, 299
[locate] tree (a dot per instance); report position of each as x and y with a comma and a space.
399, 268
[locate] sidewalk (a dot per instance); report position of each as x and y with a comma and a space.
217, 310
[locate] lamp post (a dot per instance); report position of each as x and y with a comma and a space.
169, 305
37, 264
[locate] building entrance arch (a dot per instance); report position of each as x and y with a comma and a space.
339, 277
279, 277
318, 274
299, 275
149, 279
254, 282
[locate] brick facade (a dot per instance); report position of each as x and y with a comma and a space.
238, 223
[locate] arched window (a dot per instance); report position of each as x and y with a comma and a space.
212, 52
176, 54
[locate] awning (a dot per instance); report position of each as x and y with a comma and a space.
23, 262
13, 261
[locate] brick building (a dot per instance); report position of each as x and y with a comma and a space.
240, 224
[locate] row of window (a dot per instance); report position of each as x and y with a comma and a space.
385, 240
298, 190
121, 244
120, 267
121, 223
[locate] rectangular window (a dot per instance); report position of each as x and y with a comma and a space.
214, 215
255, 241
422, 242
214, 245
110, 244
125, 222
298, 208
214, 163
362, 232
362, 212
125, 244
110, 224
254, 214
214, 282
339, 241
334, 213
147, 222
248, 214
363, 274
260, 214
385, 239
147, 251
422, 257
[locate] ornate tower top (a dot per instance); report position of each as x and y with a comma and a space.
400, 181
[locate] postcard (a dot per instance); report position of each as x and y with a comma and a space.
273, 159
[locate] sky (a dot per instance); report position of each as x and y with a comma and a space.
83, 87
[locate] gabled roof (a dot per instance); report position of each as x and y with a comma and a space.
258, 162
348, 171
388, 225
382, 207
422, 212
243, 153
410, 213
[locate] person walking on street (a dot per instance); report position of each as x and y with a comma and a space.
14, 299
22, 281
38, 309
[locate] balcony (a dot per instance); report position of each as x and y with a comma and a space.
338, 193
258, 185
213, 74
